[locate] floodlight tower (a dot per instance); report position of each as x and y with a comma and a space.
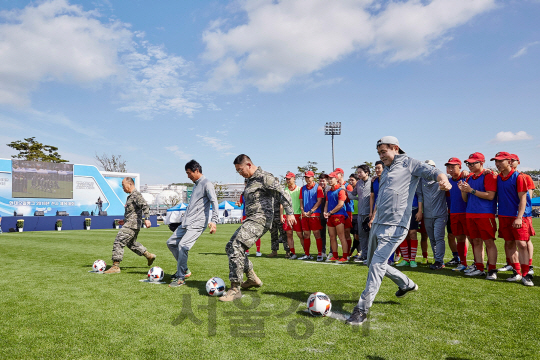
332, 128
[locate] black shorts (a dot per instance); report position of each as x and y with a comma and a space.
354, 230
413, 224
448, 227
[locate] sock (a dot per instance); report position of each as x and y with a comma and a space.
335, 254
414, 249
517, 267
247, 251
480, 266
530, 262
492, 267
292, 251
524, 269
258, 244
424, 254
319, 246
404, 248
461, 253
456, 255
307, 245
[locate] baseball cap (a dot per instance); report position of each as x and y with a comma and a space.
502, 155
430, 162
390, 140
453, 161
514, 157
333, 174
339, 170
289, 175
309, 174
475, 157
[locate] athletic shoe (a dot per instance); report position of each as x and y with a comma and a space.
470, 268
359, 260
424, 261
258, 254
187, 275
357, 317
174, 277
517, 277
320, 258
304, 257
177, 283
293, 257
403, 263
396, 263
342, 260
413, 263
310, 257
453, 262
437, 266
506, 268
527, 280
492, 275
402, 292
460, 267
531, 271
331, 259
397, 258
476, 272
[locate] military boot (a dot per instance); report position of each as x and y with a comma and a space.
115, 269
272, 254
151, 257
252, 281
233, 293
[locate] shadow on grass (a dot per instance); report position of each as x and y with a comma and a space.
213, 253
198, 284
456, 358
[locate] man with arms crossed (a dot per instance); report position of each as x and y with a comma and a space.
362, 192
389, 226
261, 190
195, 220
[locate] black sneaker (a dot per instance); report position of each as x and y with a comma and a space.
174, 277
454, 261
437, 266
357, 317
402, 292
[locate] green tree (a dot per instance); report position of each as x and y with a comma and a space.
370, 165
311, 166
31, 150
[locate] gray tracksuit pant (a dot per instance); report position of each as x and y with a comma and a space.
383, 241
180, 242
436, 230
363, 237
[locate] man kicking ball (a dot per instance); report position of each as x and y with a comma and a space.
390, 224
259, 194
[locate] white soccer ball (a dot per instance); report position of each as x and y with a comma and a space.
215, 286
155, 274
319, 304
99, 266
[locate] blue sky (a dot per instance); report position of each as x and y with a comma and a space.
161, 82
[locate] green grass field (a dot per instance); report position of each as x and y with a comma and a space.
53, 308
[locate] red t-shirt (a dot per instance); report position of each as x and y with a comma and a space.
529, 180
490, 181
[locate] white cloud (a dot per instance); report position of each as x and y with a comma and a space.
505, 136
282, 40
524, 50
179, 153
216, 143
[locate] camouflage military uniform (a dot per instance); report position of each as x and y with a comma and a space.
277, 234
136, 210
261, 189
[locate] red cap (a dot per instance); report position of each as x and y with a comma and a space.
339, 170
475, 157
502, 155
514, 157
309, 174
453, 161
333, 174
289, 175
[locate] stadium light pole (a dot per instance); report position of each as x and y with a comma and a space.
332, 128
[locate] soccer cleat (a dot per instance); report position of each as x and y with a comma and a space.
304, 257
273, 254
320, 258
293, 257
252, 281
402, 292
424, 261
527, 280
342, 260
437, 266
258, 254
357, 317
476, 272
331, 259
399, 261
492, 275
359, 260
452, 262
506, 268
150, 257
115, 269
460, 267
177, 283
531, 271
233, 293
403, 263
517, 277
413, 263
470, 268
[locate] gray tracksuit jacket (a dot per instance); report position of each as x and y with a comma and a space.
398, 184
198, 210
433, 199
362, 193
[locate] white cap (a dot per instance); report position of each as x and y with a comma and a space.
390, 140
430, 162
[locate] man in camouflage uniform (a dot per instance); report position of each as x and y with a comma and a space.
136, 211
261, 190
277, 234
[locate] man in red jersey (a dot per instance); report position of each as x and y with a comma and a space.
512, 200
479, 193
311, 197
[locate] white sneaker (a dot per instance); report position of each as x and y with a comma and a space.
515, 278
293, 257
492, 275
531, 271
320, 258
470, 268
305, 257
527, 280
460, 267
258, 254
476, 273
506, 268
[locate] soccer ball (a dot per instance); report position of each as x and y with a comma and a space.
99, 266
215, 286
155, 274
319, 304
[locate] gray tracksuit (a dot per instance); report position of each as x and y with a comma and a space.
435, 215
362, 193
391, 223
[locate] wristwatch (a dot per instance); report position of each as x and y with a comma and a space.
473, 191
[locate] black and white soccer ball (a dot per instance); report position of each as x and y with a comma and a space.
155, 274
215, 286
99, 266
319, 304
